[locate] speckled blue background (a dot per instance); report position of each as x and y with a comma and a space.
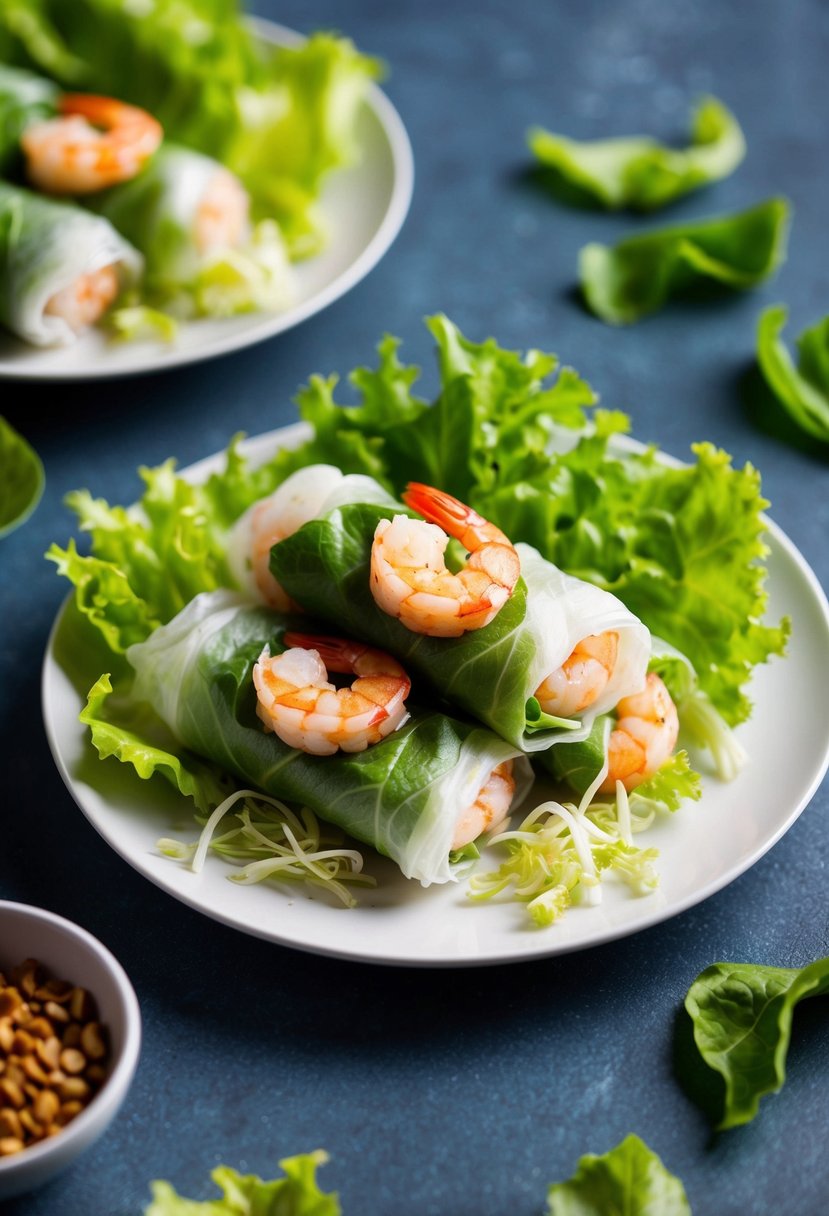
459, 1093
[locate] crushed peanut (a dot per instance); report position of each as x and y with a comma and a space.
53, 1055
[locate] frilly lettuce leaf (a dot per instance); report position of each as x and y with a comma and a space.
519, 439
21, 478
132, 733
625, 282
280, 118
742, 1017
638, 172
802, 390
630, 1178
295, 1194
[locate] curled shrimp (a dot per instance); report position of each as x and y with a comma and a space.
296, 501
409, 577
582, 677
644, 736
297, 703
95, 142
489, 809
83, 302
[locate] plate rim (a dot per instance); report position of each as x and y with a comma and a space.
290, 435
271, 324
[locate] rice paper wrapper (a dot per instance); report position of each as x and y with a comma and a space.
45, 246
403, 796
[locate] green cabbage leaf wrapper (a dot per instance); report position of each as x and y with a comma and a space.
491, 673
403, 795
630, 1178
21, 478
803, 390
742, 1017
625, 282
637, 171
279, 117
295, 1194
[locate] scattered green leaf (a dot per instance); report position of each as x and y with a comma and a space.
629, 1179
627, 281
21, 478
637, 171
742, 1017
802, 390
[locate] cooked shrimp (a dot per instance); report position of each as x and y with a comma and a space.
582, 677
95, 142
296, 701
84, 301
644, 736
298, 500
409, 577
489, 809
222, 214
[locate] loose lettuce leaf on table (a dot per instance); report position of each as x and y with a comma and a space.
637, 171
627, 281
295, 1194
630, 1178
742, 1017
21, 478
802, 390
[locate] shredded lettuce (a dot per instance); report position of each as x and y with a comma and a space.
139, 322
638, 172
803, 390
630, 1178
560, 852
742, 1019
276, 844
295, 1194
21, 478
627, 281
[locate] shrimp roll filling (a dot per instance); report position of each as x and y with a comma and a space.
85, 301
429, 784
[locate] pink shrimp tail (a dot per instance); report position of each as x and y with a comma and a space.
454, 516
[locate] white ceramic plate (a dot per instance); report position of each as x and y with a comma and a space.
702, 848
364, 207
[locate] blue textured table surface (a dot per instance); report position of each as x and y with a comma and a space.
459, 1093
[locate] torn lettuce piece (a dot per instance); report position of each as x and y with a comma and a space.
21, 478
637, 171
295, 1194
627, 281
803, 390
742, 1017
630, 1178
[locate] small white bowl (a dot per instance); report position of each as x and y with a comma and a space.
70, 953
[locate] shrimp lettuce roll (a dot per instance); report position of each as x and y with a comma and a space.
60, 267
410, 795
554, 654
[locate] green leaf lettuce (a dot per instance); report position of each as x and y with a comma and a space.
742, 1017
802, 390
637, 171
630, 1178
627, 281
295, 1194
21, 478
